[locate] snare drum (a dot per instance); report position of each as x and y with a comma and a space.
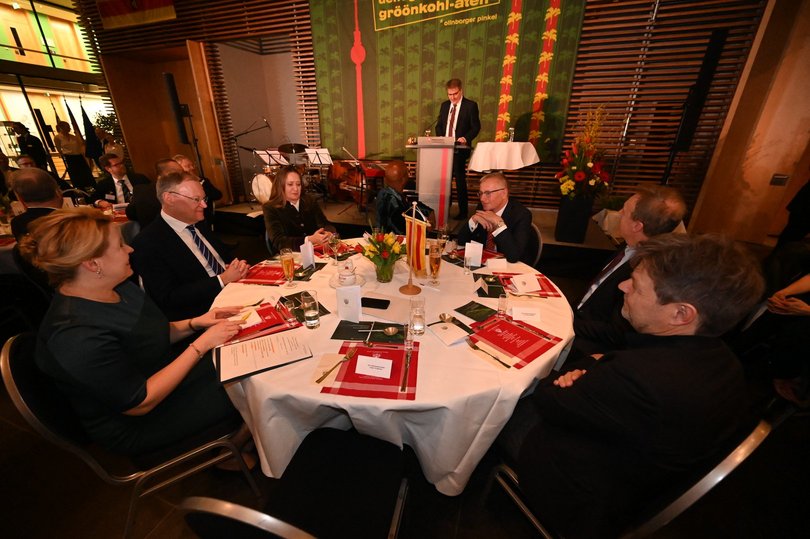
261, 185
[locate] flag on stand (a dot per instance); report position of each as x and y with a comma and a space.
92, 146
73, 121
416, 238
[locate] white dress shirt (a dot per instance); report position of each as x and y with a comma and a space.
185, 235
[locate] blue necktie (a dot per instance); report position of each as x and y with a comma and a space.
206, 252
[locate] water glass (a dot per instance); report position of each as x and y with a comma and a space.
290, 306
503, 305
417, 319
467, 264
309, 304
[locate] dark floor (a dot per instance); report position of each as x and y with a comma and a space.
46, 492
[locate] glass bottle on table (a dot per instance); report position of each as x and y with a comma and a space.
287, 266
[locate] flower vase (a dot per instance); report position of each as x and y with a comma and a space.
385, 272
572, 219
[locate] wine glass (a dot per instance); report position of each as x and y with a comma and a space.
435, 263
334, 245
443, 236
288, 266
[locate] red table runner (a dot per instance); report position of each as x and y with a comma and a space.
517, 340
348, 382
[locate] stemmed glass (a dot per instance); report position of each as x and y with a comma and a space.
334, 245
443, 235
435, 263
288, 266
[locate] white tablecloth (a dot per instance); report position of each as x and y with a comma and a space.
461, 404
503, 156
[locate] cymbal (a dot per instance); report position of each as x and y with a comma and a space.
292, 148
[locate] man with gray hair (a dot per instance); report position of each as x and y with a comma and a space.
598, 323
594, 445
182, 264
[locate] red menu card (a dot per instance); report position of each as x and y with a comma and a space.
547, 288
348, 382
273, 321
265, 274
519, 341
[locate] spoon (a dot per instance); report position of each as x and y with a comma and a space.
391, 330
447, 318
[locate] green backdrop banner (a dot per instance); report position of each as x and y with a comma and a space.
381, 68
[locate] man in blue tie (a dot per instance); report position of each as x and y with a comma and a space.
182, 264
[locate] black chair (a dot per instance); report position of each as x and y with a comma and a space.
662, 510
210, 518
50, 414
338, 484
24, 304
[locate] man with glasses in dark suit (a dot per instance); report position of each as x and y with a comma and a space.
182, 264
500, 223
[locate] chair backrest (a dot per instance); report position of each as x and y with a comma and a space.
210, 517
539, 244
42, 404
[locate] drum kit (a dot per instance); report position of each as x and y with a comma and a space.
311, 164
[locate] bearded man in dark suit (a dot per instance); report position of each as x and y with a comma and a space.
458, 118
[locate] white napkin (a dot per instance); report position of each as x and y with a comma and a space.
474, 250
448, 333
307, 254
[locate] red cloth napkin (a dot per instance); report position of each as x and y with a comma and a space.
265, 274
518, 340
547, 288
350, 383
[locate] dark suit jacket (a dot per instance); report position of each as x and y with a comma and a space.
31, 145
172, 275
516, 241
144, 205
468, 124
106, 185
287, 227
636, 422
19, 225
599, 325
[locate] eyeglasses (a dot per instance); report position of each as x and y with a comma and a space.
482, 194
197, 200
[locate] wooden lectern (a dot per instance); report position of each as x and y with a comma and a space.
434, 174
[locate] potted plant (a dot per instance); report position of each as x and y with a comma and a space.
582, 178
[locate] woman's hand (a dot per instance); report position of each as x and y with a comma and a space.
781, 304
215, 316
319, 236
217, 334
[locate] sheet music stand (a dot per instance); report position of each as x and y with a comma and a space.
272, 157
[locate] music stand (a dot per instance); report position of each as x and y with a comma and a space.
320, 158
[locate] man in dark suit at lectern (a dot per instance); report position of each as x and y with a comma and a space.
458, 118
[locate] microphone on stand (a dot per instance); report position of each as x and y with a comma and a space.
430, 127
356, 162
267, 123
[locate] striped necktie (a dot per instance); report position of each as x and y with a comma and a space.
206, 252
125, 192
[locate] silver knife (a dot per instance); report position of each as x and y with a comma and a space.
407, 367
532, 331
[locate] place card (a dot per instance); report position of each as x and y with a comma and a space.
378, 367
525, 313
348, 303
474, 251
307, 254
497, 263
448, 333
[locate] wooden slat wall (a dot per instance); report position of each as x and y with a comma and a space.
638, 57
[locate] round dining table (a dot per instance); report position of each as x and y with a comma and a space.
462, 400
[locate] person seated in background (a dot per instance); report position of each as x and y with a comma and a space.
593, 445
26, 161
598, 321
211, 191
500, 223
391, 202
71, 147
117, 187
290, 216
37, 191
182, 264
107, 346
108, 143
144, 205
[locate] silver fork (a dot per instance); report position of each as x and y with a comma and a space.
496, 358
350, 354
